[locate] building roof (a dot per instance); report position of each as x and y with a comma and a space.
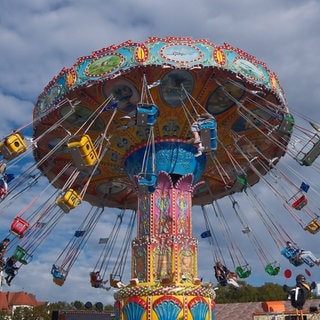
3, 301
245, 311
20, 298
84, 315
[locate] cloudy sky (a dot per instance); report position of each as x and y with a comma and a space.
38, 38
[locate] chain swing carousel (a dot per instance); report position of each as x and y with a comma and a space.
114, 130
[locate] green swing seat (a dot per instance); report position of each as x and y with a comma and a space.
22, 255
272, 269
243, 271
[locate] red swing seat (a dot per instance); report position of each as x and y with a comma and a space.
19, 227
300, 203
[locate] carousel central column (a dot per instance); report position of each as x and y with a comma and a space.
164, 281
164, 229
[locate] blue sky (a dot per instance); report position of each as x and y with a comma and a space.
39, 38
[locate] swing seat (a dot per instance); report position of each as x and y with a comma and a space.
95, 280
287, 124
239, 185
58, 276
58, 281
288, 252
115, 283
19, 226
310, 152
300, 203
12, 146
22, 255
296, 261
312, 155
272, 269
56, 272
208, 134
147, 180
147, 114
82, 151
313, 226
70, 200
147, 183
243, 271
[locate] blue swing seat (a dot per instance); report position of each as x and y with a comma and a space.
292, 255
56, 272
147, 182
147, 114
289, 252
59, 276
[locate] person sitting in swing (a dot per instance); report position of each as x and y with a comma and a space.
302, 255
225, 276
96, 280
10, 269
3, 187
3, 250
196, 128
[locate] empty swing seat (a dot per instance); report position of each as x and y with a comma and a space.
239, 185
243, 271
310, 152
147, 182
300, 202
22, 255
272, 269
12, 146
70, 200
287, 124
147, 114
312, 155
115, 283
208, 133
82, 151
313, 226
19, 226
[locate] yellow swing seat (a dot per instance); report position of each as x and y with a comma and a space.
70, 200
115, 283
83, 151
12, 146
313, 226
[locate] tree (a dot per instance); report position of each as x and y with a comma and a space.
247, 293
4, 315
